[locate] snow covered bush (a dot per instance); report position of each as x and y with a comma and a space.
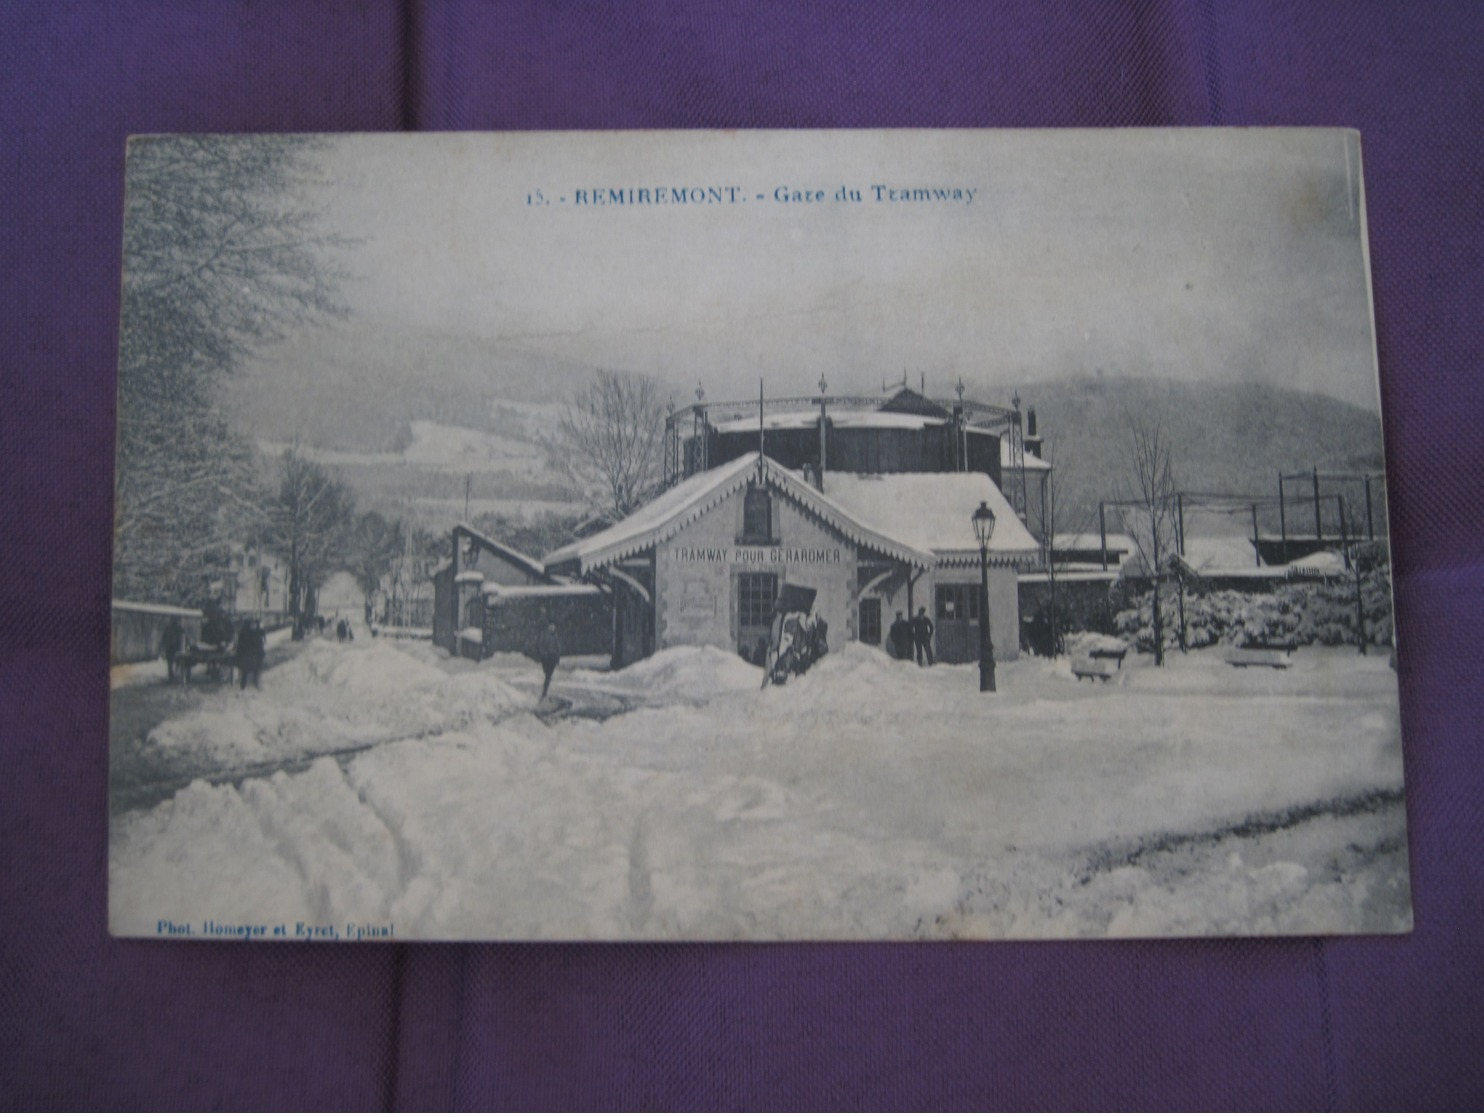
1302, 613
1135, 624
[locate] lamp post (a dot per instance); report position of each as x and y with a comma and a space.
983, 519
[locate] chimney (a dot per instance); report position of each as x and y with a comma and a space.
1031, 441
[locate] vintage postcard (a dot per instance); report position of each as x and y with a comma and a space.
751, 536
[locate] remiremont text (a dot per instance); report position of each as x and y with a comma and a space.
640, 196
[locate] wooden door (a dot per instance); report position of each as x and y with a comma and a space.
956, 617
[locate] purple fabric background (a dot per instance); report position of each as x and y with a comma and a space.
86, 1021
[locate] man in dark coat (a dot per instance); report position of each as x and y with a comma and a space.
549, 652
899, 636
251, 649
171, 643
922, 637
216, 629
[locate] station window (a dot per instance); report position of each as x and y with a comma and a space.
957, 603
757, 516
870, 626
756, 594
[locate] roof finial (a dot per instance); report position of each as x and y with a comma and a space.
959, 388
823, 383
700, 392
761, 445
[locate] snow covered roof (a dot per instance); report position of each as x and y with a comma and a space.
566, 589
933, 512
1040, 577
1321, 563
674, 509
160, 610
510, 554
1033, 464
795, 420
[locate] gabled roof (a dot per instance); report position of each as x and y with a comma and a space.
509, 554
908, 402
920, 518
933, 512
670, 512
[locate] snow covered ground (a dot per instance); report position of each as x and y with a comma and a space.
869, 799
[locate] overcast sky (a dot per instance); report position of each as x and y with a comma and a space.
1192, 254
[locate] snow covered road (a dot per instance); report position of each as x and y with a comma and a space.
869, 799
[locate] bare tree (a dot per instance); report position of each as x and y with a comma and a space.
1058, 516
611, 440
222, 256
310, 526
410, 574
1151, 497
375, 544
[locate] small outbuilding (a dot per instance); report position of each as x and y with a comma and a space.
492, 598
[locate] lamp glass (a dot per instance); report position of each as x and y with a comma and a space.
983, 523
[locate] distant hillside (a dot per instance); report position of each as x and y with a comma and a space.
357, 386
407, 418
1225, 438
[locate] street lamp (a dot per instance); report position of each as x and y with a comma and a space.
983, 520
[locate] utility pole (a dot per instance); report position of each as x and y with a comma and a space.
1282, 518
1318, 525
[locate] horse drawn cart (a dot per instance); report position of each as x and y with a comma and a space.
219, 660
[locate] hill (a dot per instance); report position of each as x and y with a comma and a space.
356, 386
1226, 438
410, 418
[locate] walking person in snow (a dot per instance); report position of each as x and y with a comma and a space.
922, 637
250, 653
170, 644
549, 652
899, 635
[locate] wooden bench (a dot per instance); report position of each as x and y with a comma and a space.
1278, 656
1100, 664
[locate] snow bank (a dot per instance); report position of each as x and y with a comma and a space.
332, 698
1085, 643
869, 798
373, 669
677, 675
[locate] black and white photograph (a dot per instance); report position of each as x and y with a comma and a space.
683, 536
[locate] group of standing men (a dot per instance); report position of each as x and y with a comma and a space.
909, 636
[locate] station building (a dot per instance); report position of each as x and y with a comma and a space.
703, 563
867, 501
